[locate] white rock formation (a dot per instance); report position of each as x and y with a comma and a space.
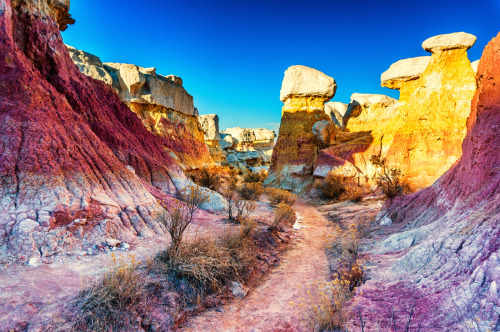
449, 41
474, 65
210, 125
305, 81
336, 111
135, 84
404, 70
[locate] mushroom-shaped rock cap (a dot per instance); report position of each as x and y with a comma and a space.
449, 42
302, 81
403, 71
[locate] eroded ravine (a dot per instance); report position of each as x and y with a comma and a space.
281, 302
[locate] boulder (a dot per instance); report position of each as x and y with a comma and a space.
403, 71
450, 41
302, 81
324, 132
336, 111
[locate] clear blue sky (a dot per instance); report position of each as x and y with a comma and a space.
231, 54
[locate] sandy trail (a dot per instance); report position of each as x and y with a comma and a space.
268, 307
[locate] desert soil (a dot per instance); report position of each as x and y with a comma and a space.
281, 302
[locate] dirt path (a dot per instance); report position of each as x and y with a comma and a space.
268, 307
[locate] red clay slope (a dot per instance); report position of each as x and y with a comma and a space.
75, 163
445, 257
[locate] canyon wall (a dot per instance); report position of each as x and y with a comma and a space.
161, 102
210, 125
443, 253
76, 164
304, 92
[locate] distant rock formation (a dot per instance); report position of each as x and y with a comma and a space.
304, 92
248, 149
76, 165
161, 102
444, 247
210, 126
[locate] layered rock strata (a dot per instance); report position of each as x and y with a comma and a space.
76, 165
304, 92
161, 102
442, 257
248, 148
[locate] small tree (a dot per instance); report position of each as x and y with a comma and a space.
181, 212
238, 209
390, 179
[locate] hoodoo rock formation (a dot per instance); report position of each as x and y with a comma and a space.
161, 102
304, 92
76, 165
434, 107
249, 149
422, 133
443, 256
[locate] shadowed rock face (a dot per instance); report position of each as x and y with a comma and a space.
304, 92
75, 163
444, 250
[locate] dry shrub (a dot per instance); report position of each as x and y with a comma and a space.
238, 209
390, 179
277, 196
252, 177
208, 177
283, 216
333, 185
105, 304
347, 245
353, 192
263, 175
201, 267
329, 311
251, 191
181, 212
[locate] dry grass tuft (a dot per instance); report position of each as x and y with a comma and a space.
252, 177
104, 304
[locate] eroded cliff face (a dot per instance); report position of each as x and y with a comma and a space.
161, 102
76, 164
435, 107
444, 248
304, 92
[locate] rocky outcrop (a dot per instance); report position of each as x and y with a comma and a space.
161, 102
210, 126
421, 134
76, 165
434, 108
248, 149
304, 92
442, 257
336, 110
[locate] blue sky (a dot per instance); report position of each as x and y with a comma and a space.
231, 54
